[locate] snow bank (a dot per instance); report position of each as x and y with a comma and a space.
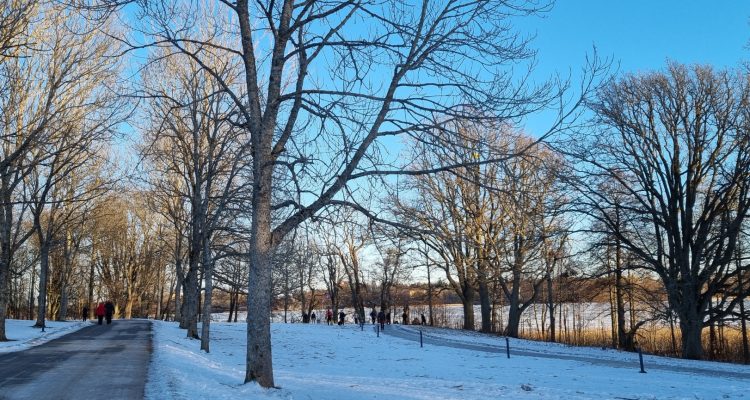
22, 334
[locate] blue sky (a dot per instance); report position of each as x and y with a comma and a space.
639, 35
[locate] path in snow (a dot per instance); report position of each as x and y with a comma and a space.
96, 362
413, 335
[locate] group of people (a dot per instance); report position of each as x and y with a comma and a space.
308, 319
103, 311
381, 318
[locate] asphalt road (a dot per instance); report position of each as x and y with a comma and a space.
96, 362
413, 334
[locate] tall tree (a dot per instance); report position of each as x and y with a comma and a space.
530, 205
315, 83
677, 144
191, 139
60, 106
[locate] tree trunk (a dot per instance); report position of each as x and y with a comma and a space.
129, 306
90, 294
4, 296
43, 277
484, 301
160, 296
259, 360
179, 286
5, 252
485, 306
189, 317
62, 313
468, 303
232, 304
551, 309
514, 320
620, 303
711, 332
31, 293
514, 302
208, 279
743, 321
691, 328
429, 294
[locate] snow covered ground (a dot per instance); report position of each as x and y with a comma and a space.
22, 334
332, 362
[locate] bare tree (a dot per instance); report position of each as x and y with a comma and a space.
676, 143
313, 82
528, 200
191, 139
128, 254
60, 106
15, 17
353, 239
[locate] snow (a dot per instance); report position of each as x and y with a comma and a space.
316, 361
22, 334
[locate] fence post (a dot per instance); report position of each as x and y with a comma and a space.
640, 358
507, 346
378, 330
421, 344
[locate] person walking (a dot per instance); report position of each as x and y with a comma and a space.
109, 310
85, 313
312, 318
341, 317
424, 320
373, 315
381, 319
100, 312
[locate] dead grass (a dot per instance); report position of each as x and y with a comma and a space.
727, 346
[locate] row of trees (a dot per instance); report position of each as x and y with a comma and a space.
263, 115
59, 104
268, 163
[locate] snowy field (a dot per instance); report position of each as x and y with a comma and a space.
332, 362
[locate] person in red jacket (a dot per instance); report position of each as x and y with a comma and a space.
100, 312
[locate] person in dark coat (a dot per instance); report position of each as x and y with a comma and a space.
100, 312
381, 319
373, 315
312, 318
329, 317
341, 317
109, 310
388, 318
424, 320
85, 313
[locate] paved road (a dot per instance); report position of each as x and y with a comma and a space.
413, 334
96, 362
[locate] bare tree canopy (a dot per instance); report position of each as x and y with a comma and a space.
674, 153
